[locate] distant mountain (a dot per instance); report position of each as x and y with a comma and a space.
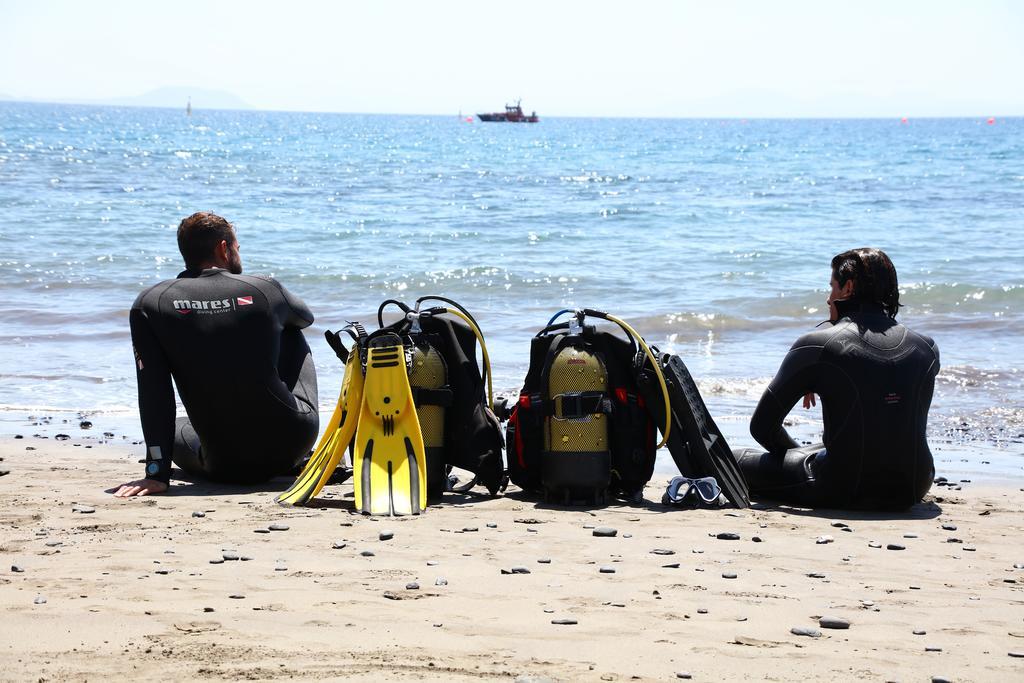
174, 97
178, 96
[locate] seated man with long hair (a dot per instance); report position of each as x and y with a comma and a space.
875, 378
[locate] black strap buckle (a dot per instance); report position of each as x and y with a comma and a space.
577, 405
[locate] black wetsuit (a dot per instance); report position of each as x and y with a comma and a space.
233, 344
875, 378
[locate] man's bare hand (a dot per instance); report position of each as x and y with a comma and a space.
141, 487
810, 400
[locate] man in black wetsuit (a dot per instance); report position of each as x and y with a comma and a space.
875, 378
234, 346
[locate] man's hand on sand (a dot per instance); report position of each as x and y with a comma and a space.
809, 400
141, 487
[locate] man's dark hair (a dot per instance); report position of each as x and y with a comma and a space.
873, 275
199, 235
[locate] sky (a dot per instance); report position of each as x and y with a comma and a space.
644, 58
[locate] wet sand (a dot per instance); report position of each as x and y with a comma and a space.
92, 586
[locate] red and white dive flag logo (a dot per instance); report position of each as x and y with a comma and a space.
245, 301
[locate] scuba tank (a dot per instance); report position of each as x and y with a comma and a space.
580, 429
576, 462
428, 377
452, 392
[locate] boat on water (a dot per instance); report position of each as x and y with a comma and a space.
513, 114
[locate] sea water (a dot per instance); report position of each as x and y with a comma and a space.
711, 237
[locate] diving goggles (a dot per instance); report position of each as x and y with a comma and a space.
683, 490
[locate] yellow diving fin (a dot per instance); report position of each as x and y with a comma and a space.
336, 438
390, 470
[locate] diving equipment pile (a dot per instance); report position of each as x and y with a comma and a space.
581, 429
412, 405
584, 425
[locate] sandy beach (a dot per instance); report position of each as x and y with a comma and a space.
196, 585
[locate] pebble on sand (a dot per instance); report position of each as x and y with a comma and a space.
278, 526
199, 514
83, 509
606, 570
727, 536
40, 600
606, 532
16, 568
663, 551
367, 553
808, 631
919, 632
728, 575
895, 546
230, 555
338, 545
237, 596
821, 540
1016, 653
386, 535
564, 622
544, 560
833, 622
874, 544
413, 586
217, 560
684, 674
932, 648
441, 581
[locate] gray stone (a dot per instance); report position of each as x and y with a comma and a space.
895, 546
431, 563
702, 610
412, 586
544, 560
932, 648
261, 531
470, 529
198, 514
627, 535
808, 631
237, 596
821, 540
520, 570
441, 581
83, 509
492, 525
756, 539
162, 572
386, 535
564, 622
17, 569
367, 553
1016, 653
40, 600
217, 560
727, 536
833, 622
840, 525
671, 565
278, 526
208, 609
663, 551
969, 548
817, 575
230, 555
909, 535
246, 558
728, 575
605, 532
920, 632
874, 544
949, 527
605, 569
338, 545
684, 674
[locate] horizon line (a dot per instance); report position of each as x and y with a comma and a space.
463, 115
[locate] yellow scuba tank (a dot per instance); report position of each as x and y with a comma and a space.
577, 455
428, 378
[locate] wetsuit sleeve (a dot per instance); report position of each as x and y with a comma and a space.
156, 396
794, 379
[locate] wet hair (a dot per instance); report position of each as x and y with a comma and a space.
873, 275
199, 235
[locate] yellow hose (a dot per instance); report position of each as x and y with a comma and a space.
483, 347
657, 370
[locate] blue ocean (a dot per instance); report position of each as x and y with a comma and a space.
711, 237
